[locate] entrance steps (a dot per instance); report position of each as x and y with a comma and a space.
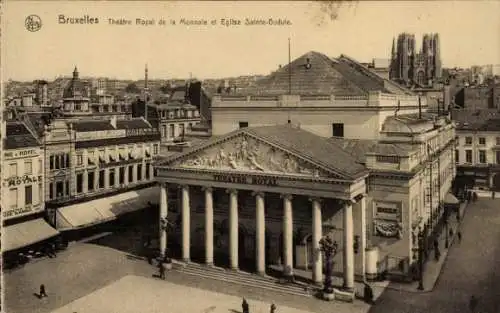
245, 279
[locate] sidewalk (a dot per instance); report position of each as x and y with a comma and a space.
432, 268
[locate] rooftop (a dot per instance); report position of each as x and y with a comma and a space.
316, 74
19, 136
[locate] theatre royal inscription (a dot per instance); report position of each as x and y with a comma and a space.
250, 180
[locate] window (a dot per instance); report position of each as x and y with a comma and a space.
91, 158
181, 130
51, 191
243, 124
121, 175
40, 167
12, 169
498, 157
112, 177
468, 156
482, 156
139, 172
40, 193
101, 179
59, 189
338, 130
155, 149
52, 162
130, 174
468, 140
79, 183
457, 156
148, 166
102, 157
13, 198
67, 188
171, 131
164, 131
482, 140
79, 159
90, 181
498, 141
28, 167
28, 195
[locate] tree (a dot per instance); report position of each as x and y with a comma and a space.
329, 248
132, 88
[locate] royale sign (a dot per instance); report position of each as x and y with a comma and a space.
264, 181
26, 179
101, 134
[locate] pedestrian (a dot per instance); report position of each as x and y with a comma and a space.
436, 244
53, 250
162, 270
459, 235
473, 303
437, 254
244, 306
451, 232
149, 258
42, 293
273, 308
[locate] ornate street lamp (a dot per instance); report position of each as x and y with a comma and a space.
329, 247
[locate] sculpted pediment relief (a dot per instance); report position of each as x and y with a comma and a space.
247, 154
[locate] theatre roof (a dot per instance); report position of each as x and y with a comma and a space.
316, 74
316, 149
359, 148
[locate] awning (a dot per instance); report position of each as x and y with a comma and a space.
105, 209
450, 199
26, 233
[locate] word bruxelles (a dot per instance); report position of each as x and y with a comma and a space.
63, 19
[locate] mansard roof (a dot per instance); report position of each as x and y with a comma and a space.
316, 74
19, 136
307, 146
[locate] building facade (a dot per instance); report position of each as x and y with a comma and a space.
23, 204
411, 68
388, 163
89, 159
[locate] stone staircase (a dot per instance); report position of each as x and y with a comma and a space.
245, 279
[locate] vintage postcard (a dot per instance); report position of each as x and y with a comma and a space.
250, 156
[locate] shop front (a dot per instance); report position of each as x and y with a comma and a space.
266, 196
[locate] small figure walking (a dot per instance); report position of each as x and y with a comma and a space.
42, 293
273, 308
162, 270
451, 232
368, 294
459, 235
244, 306
473, 303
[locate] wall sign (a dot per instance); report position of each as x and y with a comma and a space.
26, 179
265, 181
21, 153
21, 211
140, 131
102, 134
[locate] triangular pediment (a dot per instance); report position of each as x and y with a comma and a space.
248, 153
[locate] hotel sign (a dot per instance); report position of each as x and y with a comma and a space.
26, 179
264, 181
29, 209
21, 153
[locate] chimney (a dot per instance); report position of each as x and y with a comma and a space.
113, 121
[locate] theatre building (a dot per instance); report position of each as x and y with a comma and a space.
97, 170
320, 147
22, 191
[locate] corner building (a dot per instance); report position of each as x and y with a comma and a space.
320, 147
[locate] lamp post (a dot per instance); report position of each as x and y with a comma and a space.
329, 247
421, 260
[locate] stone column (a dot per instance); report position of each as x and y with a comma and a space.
233, 228
348, 247
85, 184
260, 233
106, 178
316, 237
287, 233
186, 227
362, 249
163, 217
209, 227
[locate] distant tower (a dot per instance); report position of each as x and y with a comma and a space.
393, 64
146, 77
75, 73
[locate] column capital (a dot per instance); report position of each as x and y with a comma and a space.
232, 191
207, 189
318, 199
258, 193
288, 197
345, 202
184, 187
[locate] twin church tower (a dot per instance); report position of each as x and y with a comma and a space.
411, 68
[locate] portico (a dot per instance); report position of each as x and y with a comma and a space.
271, 166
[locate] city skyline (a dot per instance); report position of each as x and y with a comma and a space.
118, 51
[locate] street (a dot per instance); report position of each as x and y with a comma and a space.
472, 268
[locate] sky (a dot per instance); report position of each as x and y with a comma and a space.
469, 34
